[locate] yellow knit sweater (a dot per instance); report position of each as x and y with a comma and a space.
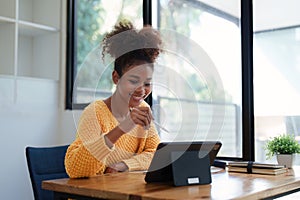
89, 155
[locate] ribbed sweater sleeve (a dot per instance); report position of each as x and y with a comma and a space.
91, 131
141, 161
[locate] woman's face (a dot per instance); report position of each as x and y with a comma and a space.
136, 83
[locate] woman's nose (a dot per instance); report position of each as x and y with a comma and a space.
141, 89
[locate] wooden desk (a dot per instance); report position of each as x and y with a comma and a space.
132, 186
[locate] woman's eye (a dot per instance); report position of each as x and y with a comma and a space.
133, 81
147, 84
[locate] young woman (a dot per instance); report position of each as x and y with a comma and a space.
117, 134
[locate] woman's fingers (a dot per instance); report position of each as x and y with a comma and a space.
148, 112
140, 119
141, 116
110, 170
117, 167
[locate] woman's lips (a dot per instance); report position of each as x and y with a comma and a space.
137, 98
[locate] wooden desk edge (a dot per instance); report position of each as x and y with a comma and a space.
272, 192
55, 186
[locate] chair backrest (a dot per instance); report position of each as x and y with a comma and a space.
45, 163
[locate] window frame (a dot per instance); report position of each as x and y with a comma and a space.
246, 22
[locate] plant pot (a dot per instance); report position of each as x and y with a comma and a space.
285, 159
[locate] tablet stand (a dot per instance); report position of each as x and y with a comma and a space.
190, 167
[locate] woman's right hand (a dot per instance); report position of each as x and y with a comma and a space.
137, 116
141, 116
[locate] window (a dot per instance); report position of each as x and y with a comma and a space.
276, 65
200, 78
91, 76
204, 95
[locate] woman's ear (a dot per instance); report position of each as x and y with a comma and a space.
115, 77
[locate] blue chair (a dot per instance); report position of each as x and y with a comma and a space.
45, 163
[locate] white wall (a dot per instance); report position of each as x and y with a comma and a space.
29, 116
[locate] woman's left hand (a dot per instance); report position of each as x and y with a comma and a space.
117, 167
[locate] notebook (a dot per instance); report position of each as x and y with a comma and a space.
256, 167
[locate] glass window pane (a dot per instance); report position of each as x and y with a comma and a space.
197, 88
276, 71
94, 19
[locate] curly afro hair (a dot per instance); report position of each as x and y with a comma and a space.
128, 45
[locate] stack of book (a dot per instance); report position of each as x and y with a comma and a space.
256, 168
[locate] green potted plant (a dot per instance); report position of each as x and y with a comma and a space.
284, 147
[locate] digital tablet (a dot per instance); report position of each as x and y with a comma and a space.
160, 169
